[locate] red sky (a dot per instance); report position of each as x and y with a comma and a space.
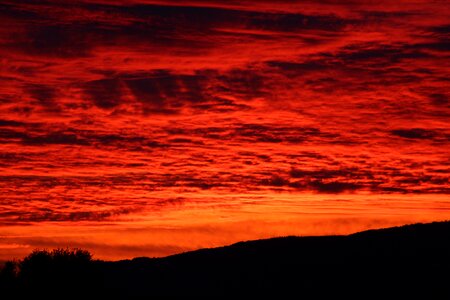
137, 128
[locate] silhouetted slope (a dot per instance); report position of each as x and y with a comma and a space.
408, 261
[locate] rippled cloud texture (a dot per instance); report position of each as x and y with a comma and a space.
198, 113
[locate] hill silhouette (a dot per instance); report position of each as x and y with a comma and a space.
407, 261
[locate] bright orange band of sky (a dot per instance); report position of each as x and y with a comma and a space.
147, 128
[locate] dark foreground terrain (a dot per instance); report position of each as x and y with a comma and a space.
408, 261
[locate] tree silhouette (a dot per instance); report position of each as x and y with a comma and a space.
8, 275
71, 270
60, 266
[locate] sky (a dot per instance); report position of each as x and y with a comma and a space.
148, 128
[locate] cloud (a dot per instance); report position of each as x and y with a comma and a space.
60, 138
298, 68
56, 32
334, 186
165, 92
11, 134
414, 133
11, 123
105, 93
275, 181
241, 82
439, 99
324, 173
44, 94
55, 216
377, 55
57, 40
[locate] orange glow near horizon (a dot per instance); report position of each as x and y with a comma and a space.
148, 128
211, 224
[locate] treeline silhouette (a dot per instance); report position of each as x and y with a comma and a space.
43, 271
405, 262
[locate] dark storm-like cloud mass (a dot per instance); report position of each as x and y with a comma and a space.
109, 109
